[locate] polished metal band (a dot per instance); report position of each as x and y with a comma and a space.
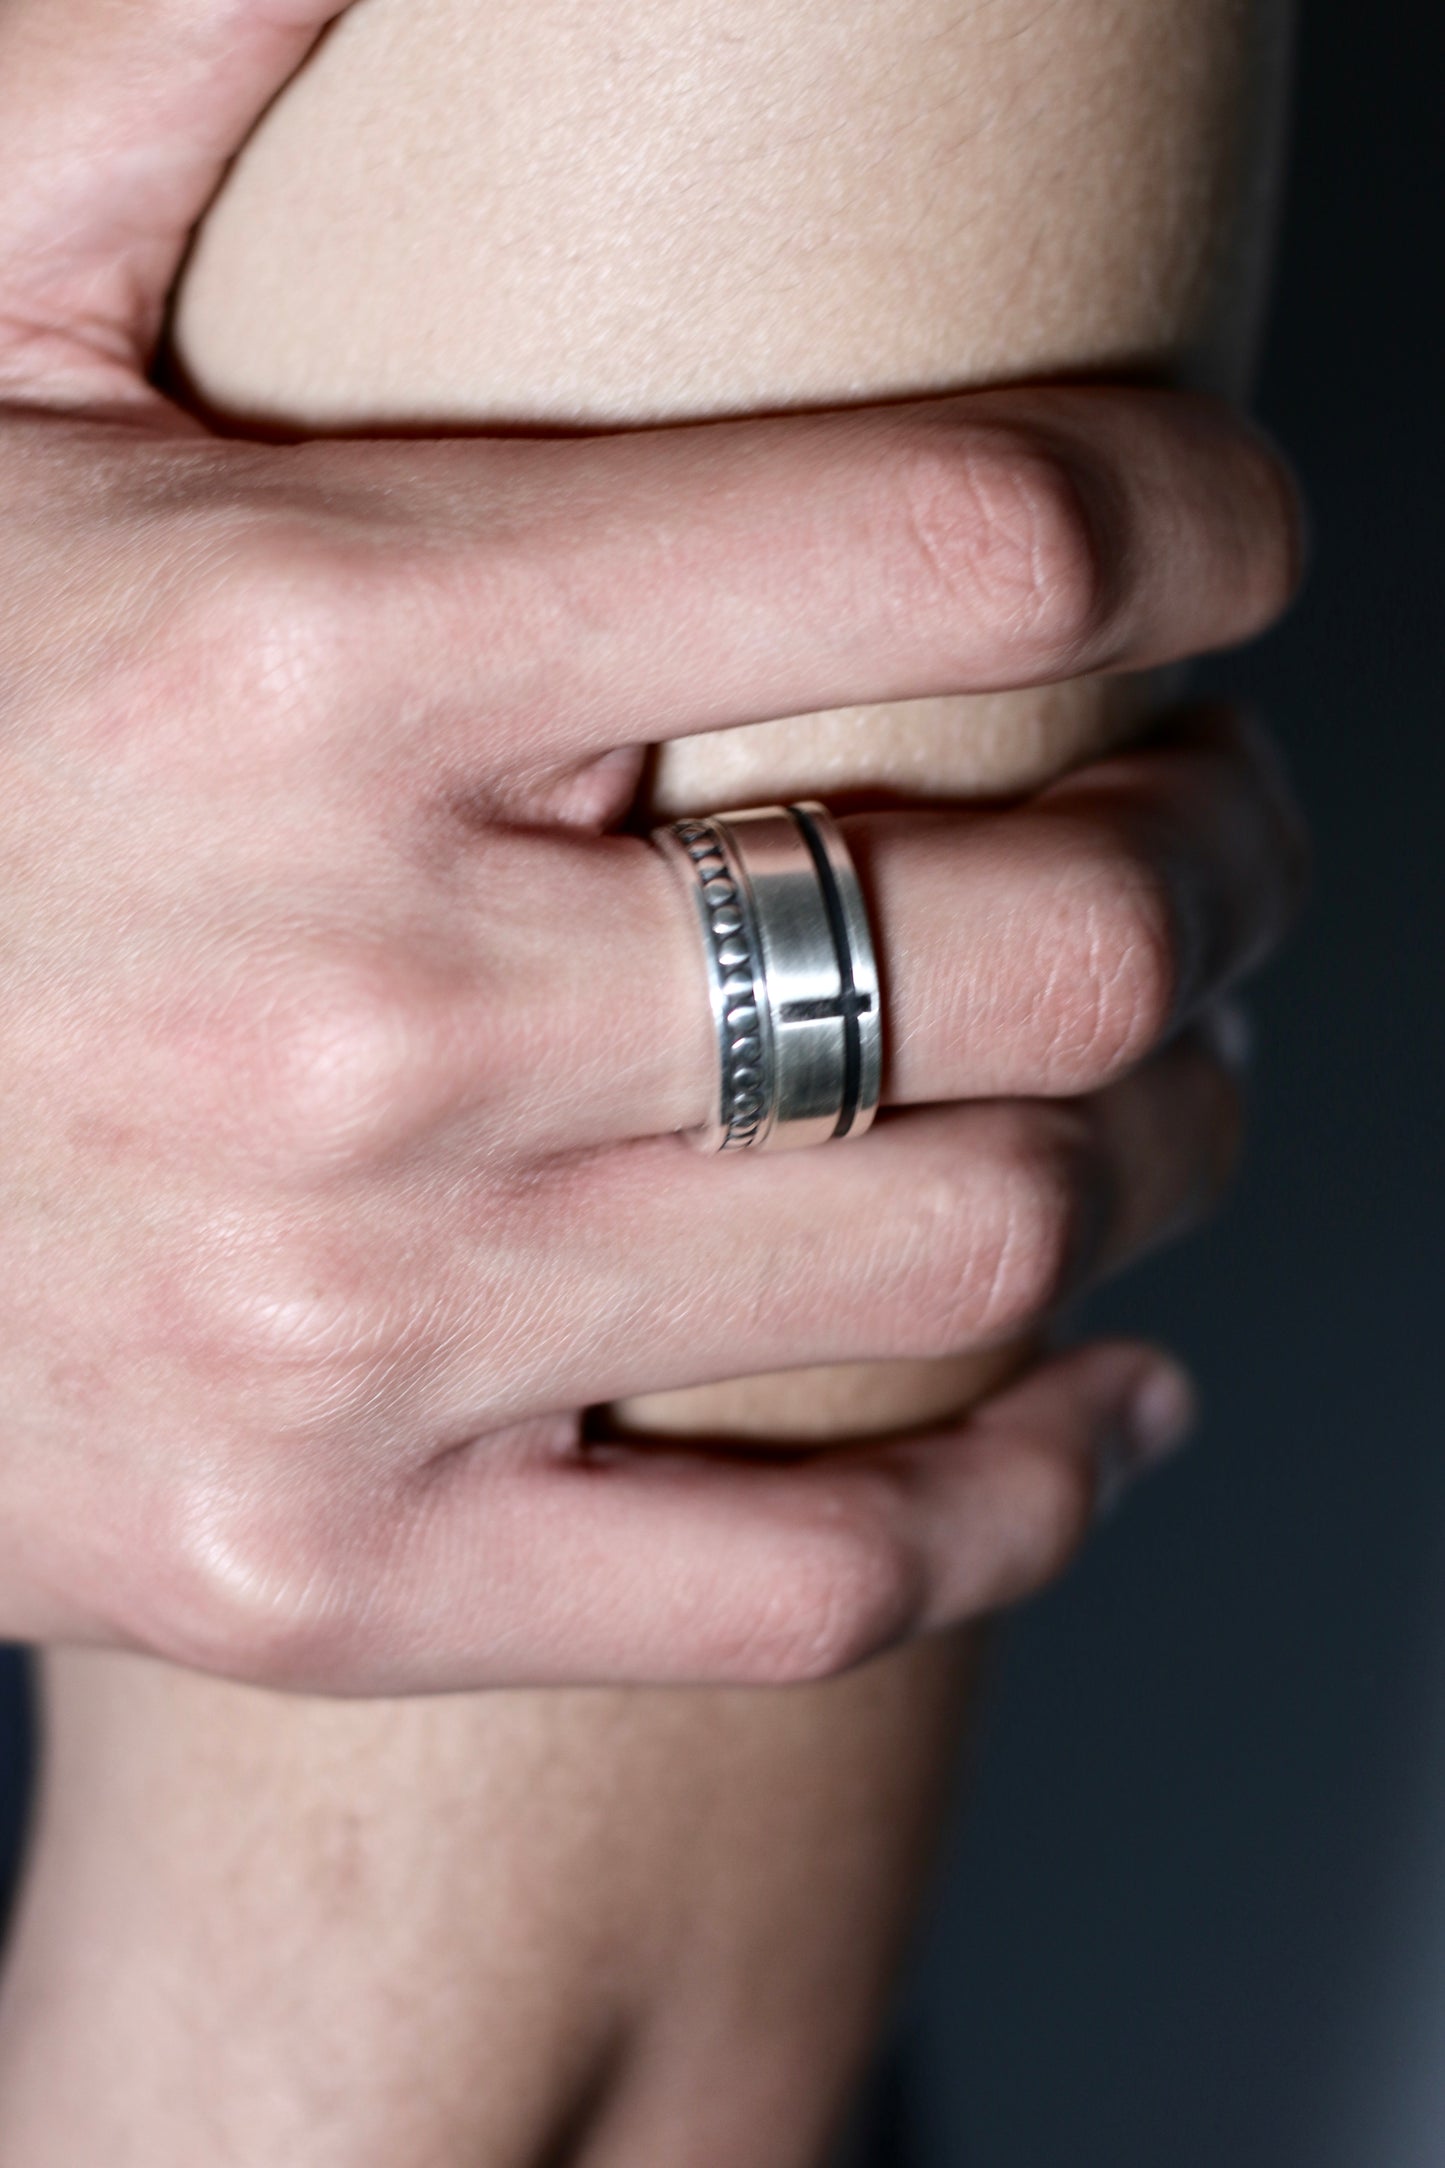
792, 976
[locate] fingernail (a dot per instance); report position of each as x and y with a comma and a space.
1228, 1028
1161, 1414
1151, 1426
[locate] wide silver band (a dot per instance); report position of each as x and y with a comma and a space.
792, 976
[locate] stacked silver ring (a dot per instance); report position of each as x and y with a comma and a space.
792, 975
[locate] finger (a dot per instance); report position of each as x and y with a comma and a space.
1039, 951
649, 1267
522, 1562
678, 1567
581, 596
117, 119
1049, 948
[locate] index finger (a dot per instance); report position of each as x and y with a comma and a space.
117, 121
583, 595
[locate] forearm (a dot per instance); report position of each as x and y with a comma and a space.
696, 215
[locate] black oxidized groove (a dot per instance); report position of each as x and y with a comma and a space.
850, 1001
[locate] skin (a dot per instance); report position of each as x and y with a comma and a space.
726, 1819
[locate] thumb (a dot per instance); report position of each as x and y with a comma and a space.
117, 120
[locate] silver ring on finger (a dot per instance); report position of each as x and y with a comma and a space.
792, 976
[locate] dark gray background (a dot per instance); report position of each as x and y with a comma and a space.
1196, 1917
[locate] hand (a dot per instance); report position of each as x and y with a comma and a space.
342, 1050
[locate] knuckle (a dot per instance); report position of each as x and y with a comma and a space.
998, 524
275, 627
337, 1059
1122, 968
251, 1594
289, 1329
230, 632
846, 1591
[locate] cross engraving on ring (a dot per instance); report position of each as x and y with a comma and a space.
848, 1004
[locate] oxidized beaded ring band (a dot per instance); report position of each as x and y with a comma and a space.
792, 977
